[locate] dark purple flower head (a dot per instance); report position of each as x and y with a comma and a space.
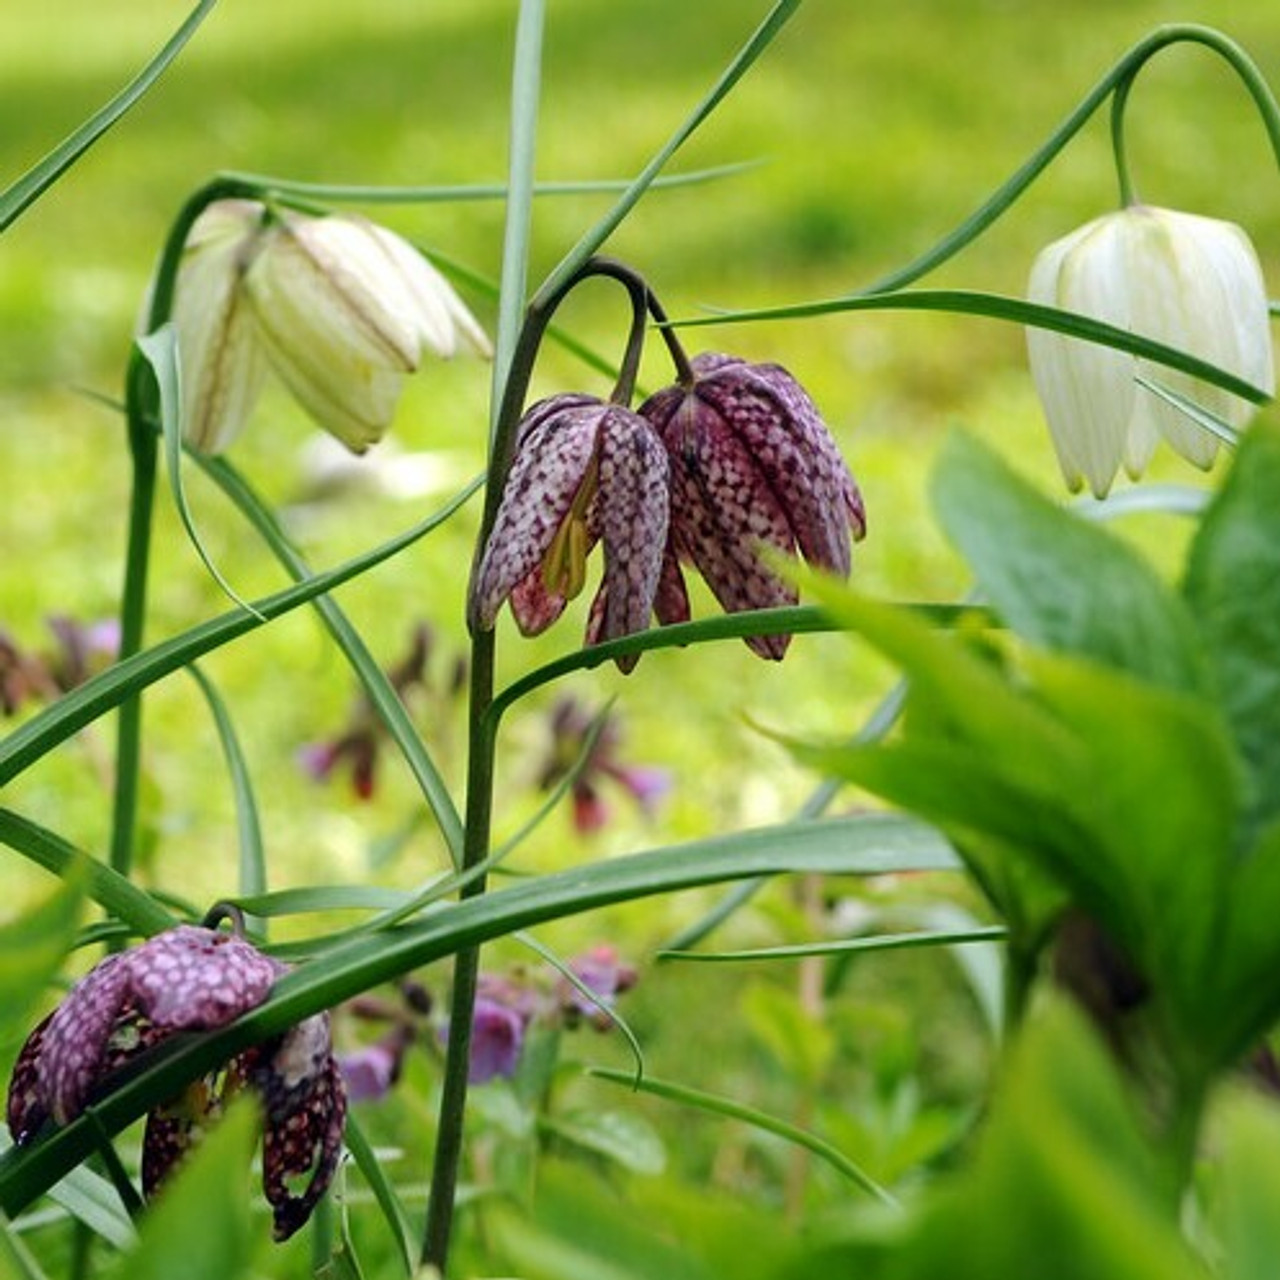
188, 979
752, 464
584, 471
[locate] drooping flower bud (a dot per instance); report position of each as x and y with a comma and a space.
752, 464
1190, 282
584, 470
339, 307
189, 979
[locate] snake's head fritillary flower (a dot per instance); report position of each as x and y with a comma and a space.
188, 979
752, 465
1191, 282
584, 470
339, 307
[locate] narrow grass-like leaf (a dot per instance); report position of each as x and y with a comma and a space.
795, 619
110, 890
19, 195
253, 861
18, 1261
103, 692
313, 898
1204, 418
160, 351
524, 937
1001, 307
383, 698
853, 846
596, 235
354, 193
846, 946
384, 1192
727, 1107
526, 87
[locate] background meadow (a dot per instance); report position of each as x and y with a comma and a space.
865, 132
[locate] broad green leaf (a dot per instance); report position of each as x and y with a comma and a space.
1248, 1187
1057, 580
199, 1227
32, 948
1233, 588
624, 1137
854, 845
1065, 1186
20, 195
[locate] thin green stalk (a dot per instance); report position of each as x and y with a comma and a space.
1117, 80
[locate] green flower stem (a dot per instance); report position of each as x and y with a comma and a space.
482, 735
141, 423
1115, 81
1240, 62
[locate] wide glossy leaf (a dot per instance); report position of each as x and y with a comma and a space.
1248, 1187
856, 845
1058, 580
1065, 1185
625, 1138
200, 1228
1233, 587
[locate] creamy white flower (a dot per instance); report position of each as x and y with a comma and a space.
339, 307
1190, 282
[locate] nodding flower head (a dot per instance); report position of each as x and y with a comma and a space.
1190, 282
584, 470
752, 465
339, 307
189, 979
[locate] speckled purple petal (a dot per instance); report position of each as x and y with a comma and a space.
721, 512
75, 1037
25, 1107
191, 978
632, 514
671, 603
793, 448
171, 1132
555, 443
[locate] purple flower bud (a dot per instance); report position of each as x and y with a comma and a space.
584, 471
605, 975
752, 464
188, 979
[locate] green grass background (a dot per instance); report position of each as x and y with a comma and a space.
877, 125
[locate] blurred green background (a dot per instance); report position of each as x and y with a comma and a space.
877, 126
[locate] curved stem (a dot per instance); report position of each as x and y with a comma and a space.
1119, 151
1116, 81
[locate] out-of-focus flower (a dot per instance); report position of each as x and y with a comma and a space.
584, 470
359, 742
602, 971
571, 725
80, 650
339, 307
189, 979
752, 464
497, 1036
1190, 282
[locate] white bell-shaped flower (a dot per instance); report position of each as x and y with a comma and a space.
339, 307
1191, 282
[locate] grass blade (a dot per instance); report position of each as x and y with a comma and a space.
21, 194
845, 946
727, 1107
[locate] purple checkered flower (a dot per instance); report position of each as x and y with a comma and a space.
584, 470
189, 979
752, 465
